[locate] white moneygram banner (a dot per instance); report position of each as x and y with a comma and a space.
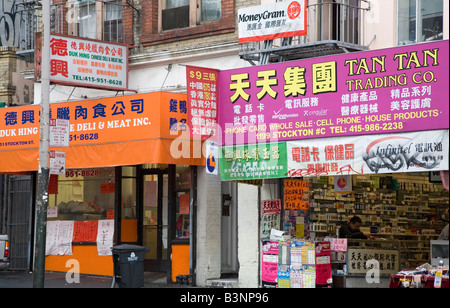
387, 153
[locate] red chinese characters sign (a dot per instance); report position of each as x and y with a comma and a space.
202, 94
327, 158
87, 63
296, 195
85, 231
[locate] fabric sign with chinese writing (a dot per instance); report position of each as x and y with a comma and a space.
110, 131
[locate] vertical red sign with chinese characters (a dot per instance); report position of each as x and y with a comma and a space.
202, 96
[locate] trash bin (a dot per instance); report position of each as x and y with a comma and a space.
128, 263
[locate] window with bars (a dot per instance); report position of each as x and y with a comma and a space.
112, 21
86, 19
89, 15
175, 14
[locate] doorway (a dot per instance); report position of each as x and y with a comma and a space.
19, 220
155, 223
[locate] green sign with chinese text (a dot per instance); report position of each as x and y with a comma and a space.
254, 161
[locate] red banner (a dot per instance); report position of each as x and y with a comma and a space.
85, 231
323, 263
202, 96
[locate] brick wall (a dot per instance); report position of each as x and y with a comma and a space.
127, 18
15, 89
128, 23
150, 35
8, 59
207, 33
140, 26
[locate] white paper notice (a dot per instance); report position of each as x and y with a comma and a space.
52, 212
57, 161
276, 234
105, 235
51, 241
59, 237
65, 236
59, 132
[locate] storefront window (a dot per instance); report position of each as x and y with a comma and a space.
182, 187
183, 177
128, 192
128, 205
82, 194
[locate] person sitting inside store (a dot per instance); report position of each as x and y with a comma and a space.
351, 230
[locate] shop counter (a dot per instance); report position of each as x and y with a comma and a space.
376, 258
426, 281
88, 261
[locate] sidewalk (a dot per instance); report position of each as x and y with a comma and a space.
22, 279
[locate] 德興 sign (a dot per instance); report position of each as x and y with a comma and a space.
86, 62
272, 21
393, 90
118, 130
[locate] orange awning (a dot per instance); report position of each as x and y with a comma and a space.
114, 131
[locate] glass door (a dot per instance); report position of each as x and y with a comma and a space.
155, 219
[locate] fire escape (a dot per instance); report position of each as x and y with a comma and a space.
29, 21
334, 27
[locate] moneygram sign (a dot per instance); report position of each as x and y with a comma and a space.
271, 21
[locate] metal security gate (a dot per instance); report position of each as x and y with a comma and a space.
19, 220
